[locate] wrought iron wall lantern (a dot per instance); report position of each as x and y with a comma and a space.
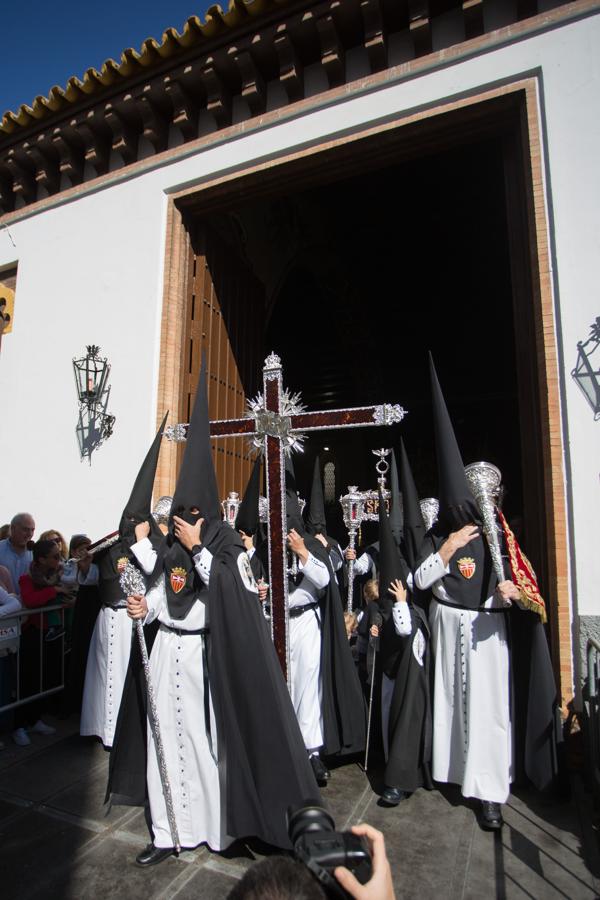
91, 374
584, 373
91, 381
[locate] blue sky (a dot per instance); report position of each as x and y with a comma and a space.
44, 42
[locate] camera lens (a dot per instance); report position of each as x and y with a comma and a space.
308, 818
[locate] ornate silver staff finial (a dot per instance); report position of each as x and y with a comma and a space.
484, 480
162, 510
382, 467
430, 508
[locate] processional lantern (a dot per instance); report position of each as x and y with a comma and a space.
584, 373
353, 506
230, 508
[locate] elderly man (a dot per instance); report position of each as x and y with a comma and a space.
14, 554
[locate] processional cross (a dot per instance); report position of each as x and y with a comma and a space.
276, 422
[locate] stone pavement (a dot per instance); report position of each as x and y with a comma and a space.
56, 839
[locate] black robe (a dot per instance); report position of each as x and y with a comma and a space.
410, 722
343, 705
258, 737
258, 569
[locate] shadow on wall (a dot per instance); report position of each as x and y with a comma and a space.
584, 373
94, 427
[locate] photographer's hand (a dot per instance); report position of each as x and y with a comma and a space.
379, 886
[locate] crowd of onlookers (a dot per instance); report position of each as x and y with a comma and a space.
52, 646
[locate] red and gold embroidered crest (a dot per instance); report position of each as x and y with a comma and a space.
178, 579
466, 566
121, 563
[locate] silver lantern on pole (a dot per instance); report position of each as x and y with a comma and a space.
230, 508
353, 506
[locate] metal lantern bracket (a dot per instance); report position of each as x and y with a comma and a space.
584, 373
95, 424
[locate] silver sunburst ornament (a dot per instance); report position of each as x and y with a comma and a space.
272, 424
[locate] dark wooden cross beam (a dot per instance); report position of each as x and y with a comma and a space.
274, 422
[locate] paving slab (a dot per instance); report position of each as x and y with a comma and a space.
35, 850
85, 798
56, 839
39, 776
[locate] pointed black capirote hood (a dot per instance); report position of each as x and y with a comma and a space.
396, 501
139, 505
294, 513
414, 526
197, 482
457, 505
315, 520
391, 564
248, 516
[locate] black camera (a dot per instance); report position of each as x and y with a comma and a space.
321, 848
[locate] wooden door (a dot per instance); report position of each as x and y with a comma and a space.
225, 323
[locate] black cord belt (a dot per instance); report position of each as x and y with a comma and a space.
484, 609
296, 611
203, 632
181, 632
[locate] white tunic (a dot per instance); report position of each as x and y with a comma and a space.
472, 736
107, 663
363, 564
177, 674
305, 652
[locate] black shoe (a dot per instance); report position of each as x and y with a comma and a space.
320, 770
491, 816
152, 856
393, 796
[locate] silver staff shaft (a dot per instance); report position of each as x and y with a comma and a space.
490, 530
352, 545
370, 706
157, 738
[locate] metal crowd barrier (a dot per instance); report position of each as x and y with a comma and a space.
10, 645
593, 716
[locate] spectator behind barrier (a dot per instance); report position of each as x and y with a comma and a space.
55, 629
14, 550
39, 587
56, 536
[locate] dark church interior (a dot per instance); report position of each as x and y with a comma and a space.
363, 276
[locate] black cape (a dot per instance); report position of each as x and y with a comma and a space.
343, 705
259, 741
410, 723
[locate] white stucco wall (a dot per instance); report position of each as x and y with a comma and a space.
90, 271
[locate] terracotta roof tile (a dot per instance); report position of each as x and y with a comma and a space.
194, 34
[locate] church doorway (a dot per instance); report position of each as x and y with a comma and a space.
354, 262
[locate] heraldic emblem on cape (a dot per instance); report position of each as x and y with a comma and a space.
466, 566
178, 578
